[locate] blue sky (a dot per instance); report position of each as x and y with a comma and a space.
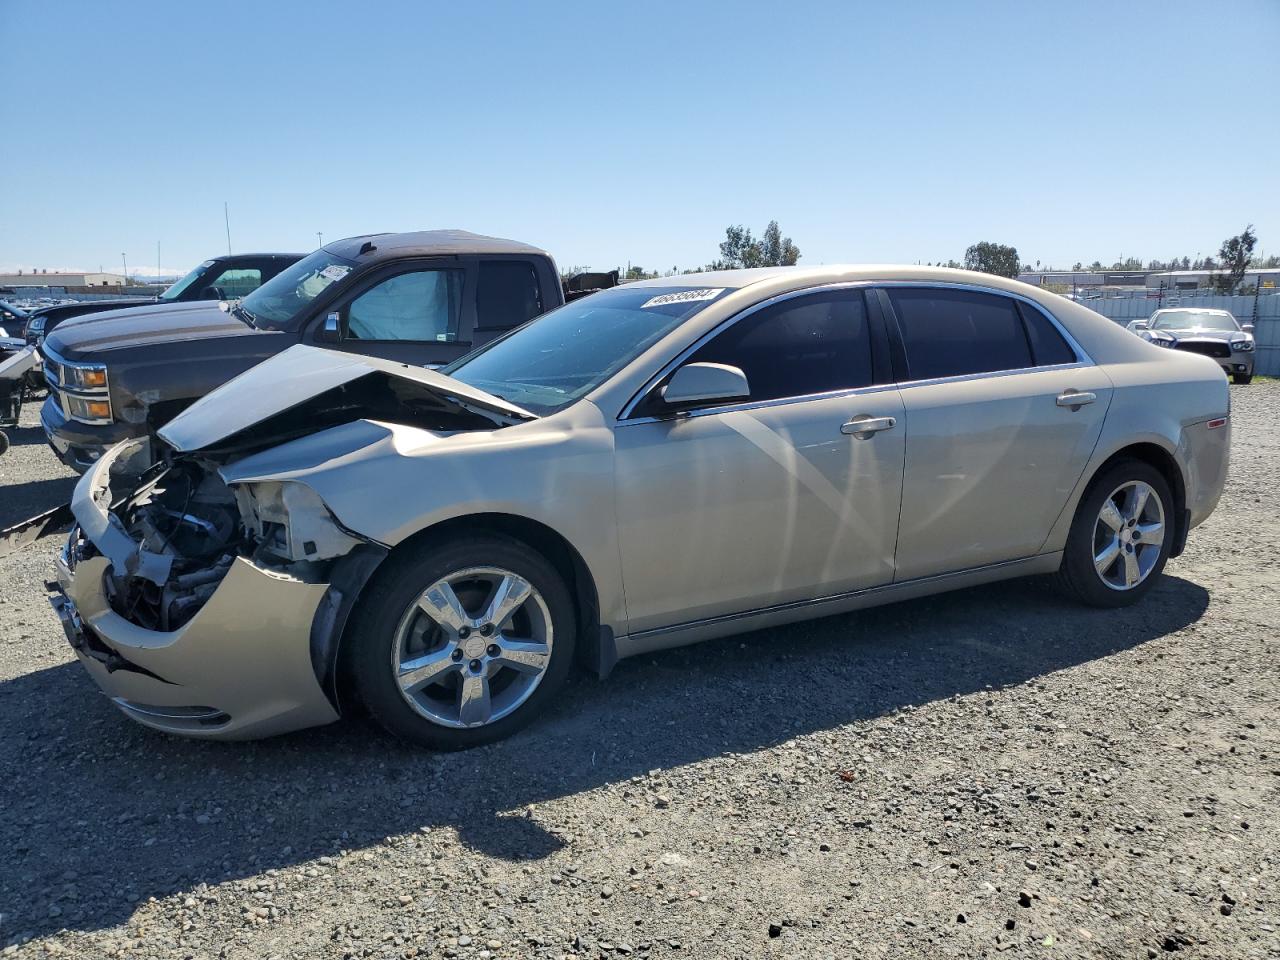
893, 131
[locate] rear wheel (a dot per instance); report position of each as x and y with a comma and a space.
1121, 536
1242, 378
463, 642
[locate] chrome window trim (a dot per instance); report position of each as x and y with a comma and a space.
762, 404
724, 325
1082, 356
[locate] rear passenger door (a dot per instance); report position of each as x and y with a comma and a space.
994, 442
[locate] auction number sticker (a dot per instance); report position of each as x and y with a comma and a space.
684, 296
335, 271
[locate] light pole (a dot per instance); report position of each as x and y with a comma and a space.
125, 264
320, 238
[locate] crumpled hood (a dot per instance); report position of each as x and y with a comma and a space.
289, 380
138, 326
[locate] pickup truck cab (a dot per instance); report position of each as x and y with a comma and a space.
421, 298
222, 278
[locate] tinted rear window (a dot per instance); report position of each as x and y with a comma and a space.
507, 294
1048, 346
951, 333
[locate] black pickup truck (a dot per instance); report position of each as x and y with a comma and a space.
423, 298
222, 278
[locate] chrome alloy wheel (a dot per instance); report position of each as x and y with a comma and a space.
1128, 535
473, 647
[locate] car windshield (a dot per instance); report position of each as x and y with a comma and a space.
550, 362
177, 289
274, 304
1193, 320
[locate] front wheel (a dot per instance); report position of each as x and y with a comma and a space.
1242, 378
463, 642
1121, 536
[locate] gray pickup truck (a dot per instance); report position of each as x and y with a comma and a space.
422, 298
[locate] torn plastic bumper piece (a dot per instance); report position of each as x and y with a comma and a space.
29, 531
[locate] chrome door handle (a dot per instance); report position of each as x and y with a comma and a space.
864, 426
1075, 399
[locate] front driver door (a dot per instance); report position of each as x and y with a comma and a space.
733, 508
416, 314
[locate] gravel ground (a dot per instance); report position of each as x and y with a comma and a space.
990, 772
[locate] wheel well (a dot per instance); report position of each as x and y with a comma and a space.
1160, 459
560, 553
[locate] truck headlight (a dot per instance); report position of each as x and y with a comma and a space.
85, 376
88, 409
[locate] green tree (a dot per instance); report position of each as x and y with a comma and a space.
740, 249
1235, 253
777, 250
992, 258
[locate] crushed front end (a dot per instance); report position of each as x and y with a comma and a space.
199, 608
214, 608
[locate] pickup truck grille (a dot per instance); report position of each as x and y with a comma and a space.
52, 373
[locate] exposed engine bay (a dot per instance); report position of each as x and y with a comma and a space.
172, 527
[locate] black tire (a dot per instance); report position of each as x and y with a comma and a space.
400, 583
1244, 379
1077, 577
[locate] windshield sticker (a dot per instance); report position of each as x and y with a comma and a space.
684, 296
335, 271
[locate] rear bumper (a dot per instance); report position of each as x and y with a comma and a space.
1206, 455
80, 445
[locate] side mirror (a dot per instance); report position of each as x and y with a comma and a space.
700, 382
331, 330
1247, 327
1141, 325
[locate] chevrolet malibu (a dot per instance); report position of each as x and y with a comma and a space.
657, 464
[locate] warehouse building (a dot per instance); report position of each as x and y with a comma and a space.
1267, 279
47, 278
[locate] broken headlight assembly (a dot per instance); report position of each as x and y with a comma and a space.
290, 523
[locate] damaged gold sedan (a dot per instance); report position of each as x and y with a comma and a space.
653, 465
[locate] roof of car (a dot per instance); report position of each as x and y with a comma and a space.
429, 243
849, 272
239, 256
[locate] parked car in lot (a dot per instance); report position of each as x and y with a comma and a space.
222, 278
652, 465
12, 318
425, 297
1213, 333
